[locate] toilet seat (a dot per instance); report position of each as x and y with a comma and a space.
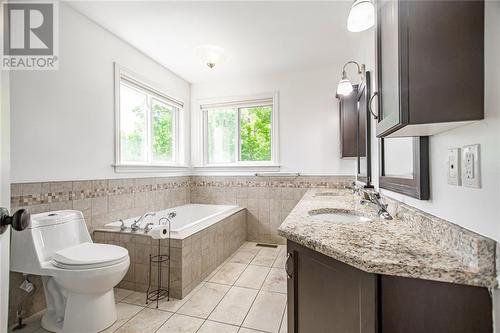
89, 256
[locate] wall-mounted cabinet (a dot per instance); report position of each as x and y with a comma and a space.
349, 124
430, 66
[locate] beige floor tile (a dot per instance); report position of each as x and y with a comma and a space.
234, 306
124, 313
137, 298
249, 245
120, 294
172, 305
204, 301
280, 260
248, 330
284, 322
181, 324
266, 312
275, 281
213, 327
252, 277
265, 257
244, 256
32, 324
146, 321
229, 273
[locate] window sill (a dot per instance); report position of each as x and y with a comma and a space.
235, 169
158, 168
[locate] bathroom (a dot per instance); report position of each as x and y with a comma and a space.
249, 166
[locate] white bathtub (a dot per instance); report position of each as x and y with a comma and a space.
189, 219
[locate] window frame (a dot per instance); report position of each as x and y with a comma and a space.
266, 99
135, 82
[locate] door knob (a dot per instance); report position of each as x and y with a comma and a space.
19, 220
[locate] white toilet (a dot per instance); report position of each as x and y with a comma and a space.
78, 275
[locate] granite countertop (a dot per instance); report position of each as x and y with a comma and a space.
414, 244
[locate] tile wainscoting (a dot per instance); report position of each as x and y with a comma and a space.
268, 201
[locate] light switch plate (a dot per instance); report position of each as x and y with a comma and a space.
453, 171
471, 170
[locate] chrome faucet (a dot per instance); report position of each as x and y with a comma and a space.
373, 198
148, 227
137, 223
122, 226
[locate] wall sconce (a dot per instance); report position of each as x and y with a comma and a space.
344, 87
361, 16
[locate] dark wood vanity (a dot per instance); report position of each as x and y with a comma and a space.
328, 296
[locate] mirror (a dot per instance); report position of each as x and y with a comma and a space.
398, 157
364, 132
404, 166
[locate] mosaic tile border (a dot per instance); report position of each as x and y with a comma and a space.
27, 194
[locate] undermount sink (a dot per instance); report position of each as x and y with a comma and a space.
338, 215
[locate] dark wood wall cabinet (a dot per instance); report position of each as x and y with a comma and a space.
430, 65
328, 296
348, 124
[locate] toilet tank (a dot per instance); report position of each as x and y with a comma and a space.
47, 233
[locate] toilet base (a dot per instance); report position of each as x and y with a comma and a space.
84, 313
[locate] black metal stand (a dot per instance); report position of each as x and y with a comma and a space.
155, 295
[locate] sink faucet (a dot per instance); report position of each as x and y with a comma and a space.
137, 223
373, 198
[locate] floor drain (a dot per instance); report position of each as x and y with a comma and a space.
266, 245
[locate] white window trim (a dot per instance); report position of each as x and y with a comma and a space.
130, 167
257, 166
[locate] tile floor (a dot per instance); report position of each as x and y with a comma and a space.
246, 294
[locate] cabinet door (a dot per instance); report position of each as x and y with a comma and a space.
348, 125
327, 296
391, 66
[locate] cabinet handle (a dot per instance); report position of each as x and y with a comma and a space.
289, 265
370, 105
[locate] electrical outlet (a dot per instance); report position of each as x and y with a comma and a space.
471, 172
453, 161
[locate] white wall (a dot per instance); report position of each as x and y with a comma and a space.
474, 209
63, 121
308, 112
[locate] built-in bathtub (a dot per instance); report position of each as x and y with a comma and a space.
202, 237
189, 219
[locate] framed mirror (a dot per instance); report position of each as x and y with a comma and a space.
364, 174
404, 166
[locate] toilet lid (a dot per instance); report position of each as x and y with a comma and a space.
90, 254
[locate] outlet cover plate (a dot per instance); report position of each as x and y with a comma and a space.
453, 170
471, 167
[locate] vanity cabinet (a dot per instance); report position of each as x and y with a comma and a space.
348, 124
430, 65
328, 296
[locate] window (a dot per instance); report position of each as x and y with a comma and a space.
147, 125
240, 133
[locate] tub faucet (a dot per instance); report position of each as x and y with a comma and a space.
148, 227
122, 226
373, 198
137, 223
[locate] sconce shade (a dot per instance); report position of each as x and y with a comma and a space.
345, 87
361, 16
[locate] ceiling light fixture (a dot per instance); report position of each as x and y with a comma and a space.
361, 16
210, 55
345, 86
